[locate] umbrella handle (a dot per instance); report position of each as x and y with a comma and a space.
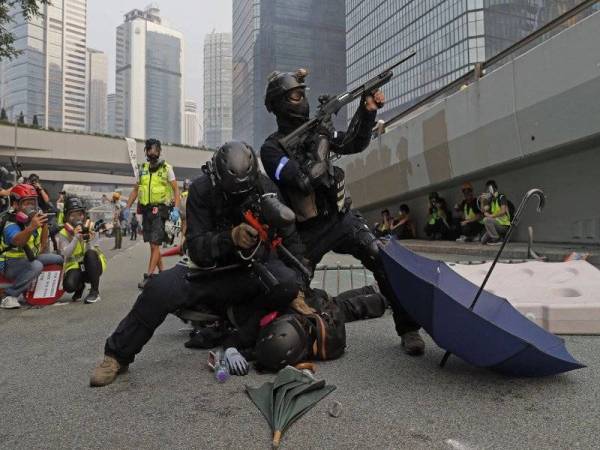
276, 439
514, 222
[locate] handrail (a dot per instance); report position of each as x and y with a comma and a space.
478, 71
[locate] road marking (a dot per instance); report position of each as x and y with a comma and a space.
453, 443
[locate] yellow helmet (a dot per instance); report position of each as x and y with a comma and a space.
116, 196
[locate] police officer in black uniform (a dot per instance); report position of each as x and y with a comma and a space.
315, 191
217, 238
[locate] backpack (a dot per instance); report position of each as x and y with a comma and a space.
511, 206
328, 325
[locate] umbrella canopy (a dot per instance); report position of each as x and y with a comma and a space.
493, 334
287, 398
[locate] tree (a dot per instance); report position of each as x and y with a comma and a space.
21, 119
34, 122
30, 9
3, 115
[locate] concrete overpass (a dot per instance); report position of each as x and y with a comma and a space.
43, 150
533, 122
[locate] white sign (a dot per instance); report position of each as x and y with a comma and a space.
47, 284
132, 149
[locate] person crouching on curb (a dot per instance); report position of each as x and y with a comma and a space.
24, 244
84, 262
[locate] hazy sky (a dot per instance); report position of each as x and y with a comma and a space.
194, 18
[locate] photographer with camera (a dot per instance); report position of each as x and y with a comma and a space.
84, 261
23, 244
437, 220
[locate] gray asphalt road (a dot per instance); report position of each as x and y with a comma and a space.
169, 399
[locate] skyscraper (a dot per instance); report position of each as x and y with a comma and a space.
49, 78
217, 89
149, 78
284, 35
449, 36
111, 112
97, 82
192, 124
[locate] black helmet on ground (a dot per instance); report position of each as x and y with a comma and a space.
281, 343
285, 95
73, 204
236, 168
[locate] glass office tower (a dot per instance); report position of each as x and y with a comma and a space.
449, 36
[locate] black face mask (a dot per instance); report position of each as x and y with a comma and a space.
291, 115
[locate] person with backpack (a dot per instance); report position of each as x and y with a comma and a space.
84, 261
497, 215
318, 333
23, 244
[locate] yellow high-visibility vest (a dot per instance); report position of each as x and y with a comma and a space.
154, 187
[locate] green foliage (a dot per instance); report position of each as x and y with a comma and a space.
30, 8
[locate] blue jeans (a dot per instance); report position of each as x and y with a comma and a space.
22, 271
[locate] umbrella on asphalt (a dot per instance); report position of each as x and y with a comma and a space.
492, 334
287, 398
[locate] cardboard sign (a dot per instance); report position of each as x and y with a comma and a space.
47, 288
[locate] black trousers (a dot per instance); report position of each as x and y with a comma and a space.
133, 233
349, 234
170, 290
471, 229
90, 272
431, 229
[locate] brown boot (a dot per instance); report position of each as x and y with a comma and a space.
106, 372
412, 343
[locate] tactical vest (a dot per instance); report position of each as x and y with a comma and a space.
495, 208
154, 187
76, 258
8, 251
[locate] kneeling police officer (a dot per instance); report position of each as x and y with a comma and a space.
221, 245
314, 188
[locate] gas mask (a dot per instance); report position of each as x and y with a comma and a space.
24, 215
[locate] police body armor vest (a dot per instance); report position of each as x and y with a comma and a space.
308, 206
154, 187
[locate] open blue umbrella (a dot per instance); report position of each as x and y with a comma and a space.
492, 334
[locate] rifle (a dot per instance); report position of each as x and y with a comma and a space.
265, 214
330, 105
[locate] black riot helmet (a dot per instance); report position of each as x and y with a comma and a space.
280, 86
236, 168
73, 204
283, 342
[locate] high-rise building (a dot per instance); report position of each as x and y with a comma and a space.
449, 36
217, 89
149, 78
111, 113
192, 124
97, 83
49, 78
284, 35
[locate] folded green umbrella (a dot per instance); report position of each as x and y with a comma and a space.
287, 398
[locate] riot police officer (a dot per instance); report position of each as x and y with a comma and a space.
315, 190
221, 246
